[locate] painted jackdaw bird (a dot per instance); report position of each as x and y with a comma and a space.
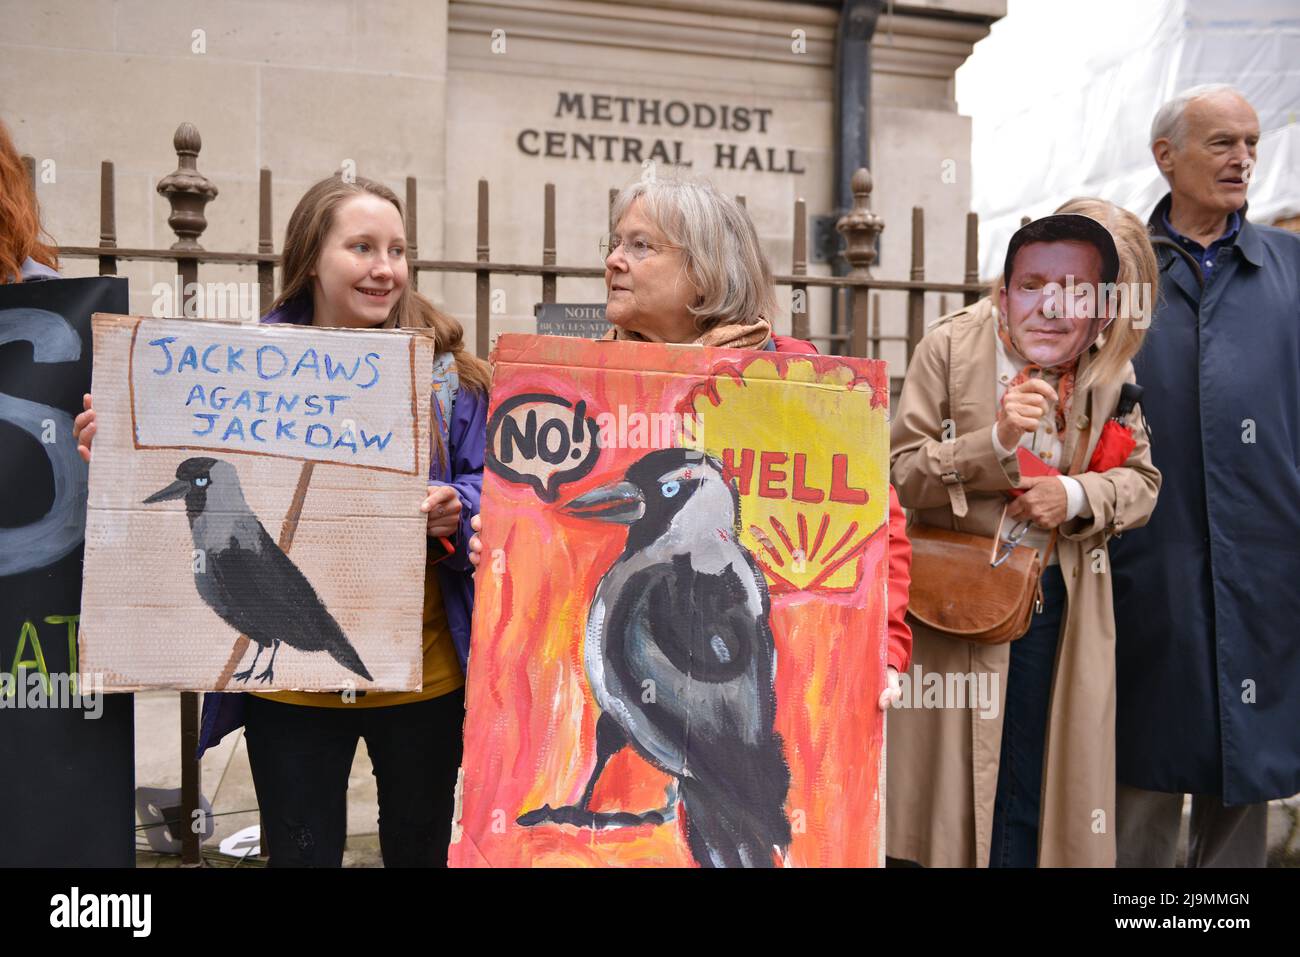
244, 576
680, 659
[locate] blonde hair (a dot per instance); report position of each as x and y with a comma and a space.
303, 240
1138, 270
724, 260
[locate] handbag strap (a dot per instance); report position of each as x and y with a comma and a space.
950, 476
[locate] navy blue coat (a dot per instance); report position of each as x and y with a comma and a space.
1207, 595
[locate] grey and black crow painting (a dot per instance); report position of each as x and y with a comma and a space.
244, 577
680, 659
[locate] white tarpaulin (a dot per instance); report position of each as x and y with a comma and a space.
1062, 95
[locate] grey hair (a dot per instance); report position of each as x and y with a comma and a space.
724, 260
1170, 122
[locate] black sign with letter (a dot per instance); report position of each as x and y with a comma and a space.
66, 749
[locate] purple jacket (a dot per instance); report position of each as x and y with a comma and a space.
464, 437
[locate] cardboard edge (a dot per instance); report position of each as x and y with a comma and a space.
521, 348
104, 320
881, 804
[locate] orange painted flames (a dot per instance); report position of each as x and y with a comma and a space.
530, 728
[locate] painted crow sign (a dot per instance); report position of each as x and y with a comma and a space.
253, 517
679, 632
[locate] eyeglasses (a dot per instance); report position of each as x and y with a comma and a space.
1007, 545
636, 248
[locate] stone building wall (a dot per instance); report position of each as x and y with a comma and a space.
522, 92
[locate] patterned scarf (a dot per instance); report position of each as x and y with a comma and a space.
733, 335
1066, 372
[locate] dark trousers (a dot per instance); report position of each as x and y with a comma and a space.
1147, 825
301, 758
1024, 731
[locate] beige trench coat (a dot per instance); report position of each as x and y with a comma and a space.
943, 762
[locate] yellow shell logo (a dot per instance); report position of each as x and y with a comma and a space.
813, 474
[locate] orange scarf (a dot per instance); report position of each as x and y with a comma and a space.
733, 335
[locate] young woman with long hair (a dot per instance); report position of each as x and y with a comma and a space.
345, 266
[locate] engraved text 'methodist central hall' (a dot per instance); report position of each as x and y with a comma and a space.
638, 111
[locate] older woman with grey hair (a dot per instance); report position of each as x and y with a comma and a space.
684, 265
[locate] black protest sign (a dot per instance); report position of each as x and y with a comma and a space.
65, 747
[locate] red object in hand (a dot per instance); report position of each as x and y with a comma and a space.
1113, 448
1030, 466
435, 556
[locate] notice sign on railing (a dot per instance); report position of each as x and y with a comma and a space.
271, 391
578, 320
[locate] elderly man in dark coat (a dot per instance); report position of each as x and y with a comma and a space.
1207, 596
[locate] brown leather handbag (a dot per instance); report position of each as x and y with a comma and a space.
955, 588
956, 591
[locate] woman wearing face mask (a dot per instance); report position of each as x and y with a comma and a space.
345, 266
1026, 776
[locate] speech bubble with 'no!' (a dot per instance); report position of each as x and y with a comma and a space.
542, 441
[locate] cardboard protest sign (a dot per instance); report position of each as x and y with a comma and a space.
57, 729
679, 633
254, 502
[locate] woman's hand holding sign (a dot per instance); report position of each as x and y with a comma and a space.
892, 691
83, 428
443, 507
475, 542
